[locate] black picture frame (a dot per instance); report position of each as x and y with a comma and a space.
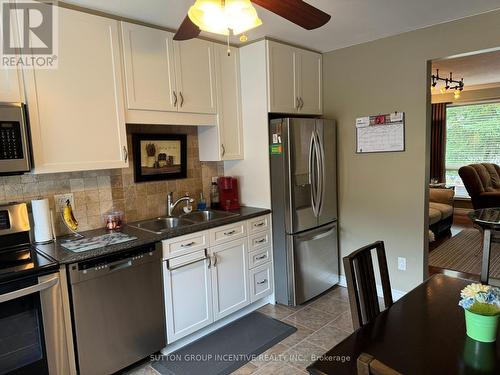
158, 172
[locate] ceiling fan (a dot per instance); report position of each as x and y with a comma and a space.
238, 16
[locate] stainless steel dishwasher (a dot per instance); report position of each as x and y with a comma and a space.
118, 309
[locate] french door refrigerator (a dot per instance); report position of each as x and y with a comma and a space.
304, 204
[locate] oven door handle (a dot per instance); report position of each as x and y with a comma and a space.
29, 290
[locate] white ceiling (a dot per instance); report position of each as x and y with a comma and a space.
477, 70
353, 21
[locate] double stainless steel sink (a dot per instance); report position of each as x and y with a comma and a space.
163, 224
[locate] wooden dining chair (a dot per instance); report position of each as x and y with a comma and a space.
368, 365
361, 284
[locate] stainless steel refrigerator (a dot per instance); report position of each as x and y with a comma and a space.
304, 204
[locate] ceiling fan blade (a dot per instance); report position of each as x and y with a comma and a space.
296, 11
187, 30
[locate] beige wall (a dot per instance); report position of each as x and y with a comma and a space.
97, 192
382, 196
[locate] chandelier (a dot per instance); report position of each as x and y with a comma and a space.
449, 84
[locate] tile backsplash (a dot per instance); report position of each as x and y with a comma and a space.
97, 192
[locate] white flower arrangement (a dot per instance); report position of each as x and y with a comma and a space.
481, 299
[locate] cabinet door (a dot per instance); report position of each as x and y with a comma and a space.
195, 78
229, 102
149, 68
188, 295
282, 83
10, 86
309, 77
230, 278
76, 110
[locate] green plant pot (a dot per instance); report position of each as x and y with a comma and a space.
481, 327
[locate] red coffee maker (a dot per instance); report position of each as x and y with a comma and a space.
228, 193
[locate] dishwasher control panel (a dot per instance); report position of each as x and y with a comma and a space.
113, 262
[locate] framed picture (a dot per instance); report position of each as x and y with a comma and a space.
159, 156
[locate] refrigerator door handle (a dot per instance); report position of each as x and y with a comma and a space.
318, 174
312, 173
321, 195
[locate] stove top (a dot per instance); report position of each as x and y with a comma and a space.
17, 257
24, 261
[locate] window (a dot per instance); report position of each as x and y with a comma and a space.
472, 136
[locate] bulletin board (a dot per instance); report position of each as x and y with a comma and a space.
380, 133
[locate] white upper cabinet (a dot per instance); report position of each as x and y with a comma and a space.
149, 68
10, 88
195, 78
294, 80
224, 141
77, 110
282, 84
309, 68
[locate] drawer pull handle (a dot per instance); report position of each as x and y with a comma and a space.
216, 260
189, 244
230, 233
262, 282
261, 257
259, 224
260, 241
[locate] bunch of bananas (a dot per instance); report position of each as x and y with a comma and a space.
69, 218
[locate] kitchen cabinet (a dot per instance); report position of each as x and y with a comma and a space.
77, 110
230, 278
10, 87
188, 294
224, 141
209, 275
294, 80
148, 60
163, 75
195, 77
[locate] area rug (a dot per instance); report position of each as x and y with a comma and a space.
226, 349
463, 253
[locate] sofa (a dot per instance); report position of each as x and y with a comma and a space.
482, 182
440, 209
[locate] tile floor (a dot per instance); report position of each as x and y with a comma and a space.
321, 324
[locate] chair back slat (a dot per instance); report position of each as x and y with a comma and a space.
369, 365
361, 283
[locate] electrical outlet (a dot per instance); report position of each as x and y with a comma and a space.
401, 264
60, 201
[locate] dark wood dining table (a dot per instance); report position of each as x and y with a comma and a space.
423, 333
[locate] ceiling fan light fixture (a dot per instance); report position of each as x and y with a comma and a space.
216, 16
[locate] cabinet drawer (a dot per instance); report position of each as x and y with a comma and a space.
258, 257
178, 246
227, 233
259, 224
259, 240
261, 281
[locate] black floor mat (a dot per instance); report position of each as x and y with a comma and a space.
226, 349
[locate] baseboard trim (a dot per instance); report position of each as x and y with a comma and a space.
214, 326
396, 294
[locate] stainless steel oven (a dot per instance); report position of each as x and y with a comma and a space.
32, 333
15, 148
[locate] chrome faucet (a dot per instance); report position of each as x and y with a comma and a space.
171, 206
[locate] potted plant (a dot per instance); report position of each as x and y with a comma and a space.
482, 311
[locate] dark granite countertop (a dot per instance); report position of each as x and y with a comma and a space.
64, 256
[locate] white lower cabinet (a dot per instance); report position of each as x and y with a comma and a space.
212, 280
230, 278
261, 281
188, 294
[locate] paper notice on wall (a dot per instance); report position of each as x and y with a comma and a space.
362, 122
380, 133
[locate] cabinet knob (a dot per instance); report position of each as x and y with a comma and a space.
262, 282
